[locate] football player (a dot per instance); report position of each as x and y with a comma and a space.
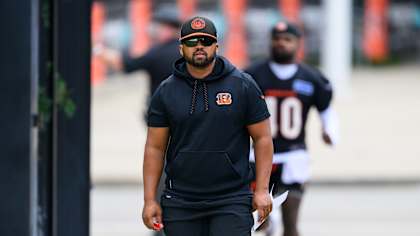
291, 89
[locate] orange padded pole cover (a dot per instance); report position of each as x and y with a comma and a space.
140, 16
235, 41
98, 68
375, 31
187, 8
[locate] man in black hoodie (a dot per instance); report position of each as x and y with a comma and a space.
200, 121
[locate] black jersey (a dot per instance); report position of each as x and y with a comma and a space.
289, 102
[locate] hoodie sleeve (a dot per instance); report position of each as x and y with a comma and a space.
157, 115
256, 108
323, 94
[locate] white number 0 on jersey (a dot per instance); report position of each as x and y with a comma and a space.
290, 116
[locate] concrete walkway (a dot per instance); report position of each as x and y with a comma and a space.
379, 112
326, 211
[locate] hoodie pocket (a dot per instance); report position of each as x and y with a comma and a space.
203, 172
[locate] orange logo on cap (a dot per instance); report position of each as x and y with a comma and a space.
281, 26
198, 24
224, 99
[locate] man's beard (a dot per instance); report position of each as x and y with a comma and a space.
200, 63
282, 57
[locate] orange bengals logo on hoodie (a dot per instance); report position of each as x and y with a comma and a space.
223, 99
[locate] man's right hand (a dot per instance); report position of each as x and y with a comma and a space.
110, 57
152, 215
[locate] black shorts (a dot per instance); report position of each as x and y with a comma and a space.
207, 218
295, 189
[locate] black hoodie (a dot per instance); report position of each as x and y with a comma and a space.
207, 156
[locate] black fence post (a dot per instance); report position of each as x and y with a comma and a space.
15, 117
72, 70
44, 60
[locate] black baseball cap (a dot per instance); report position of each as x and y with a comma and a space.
198, 26
285, 27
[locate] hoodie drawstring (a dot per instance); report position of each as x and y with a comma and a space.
194, 97
206, 97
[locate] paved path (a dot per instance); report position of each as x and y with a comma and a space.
326, 211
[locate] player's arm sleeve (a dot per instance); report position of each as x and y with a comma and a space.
329, 120
131, 64
256, 108
157, 115
330, 124
323, 94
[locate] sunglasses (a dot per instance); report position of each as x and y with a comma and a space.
192, 42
